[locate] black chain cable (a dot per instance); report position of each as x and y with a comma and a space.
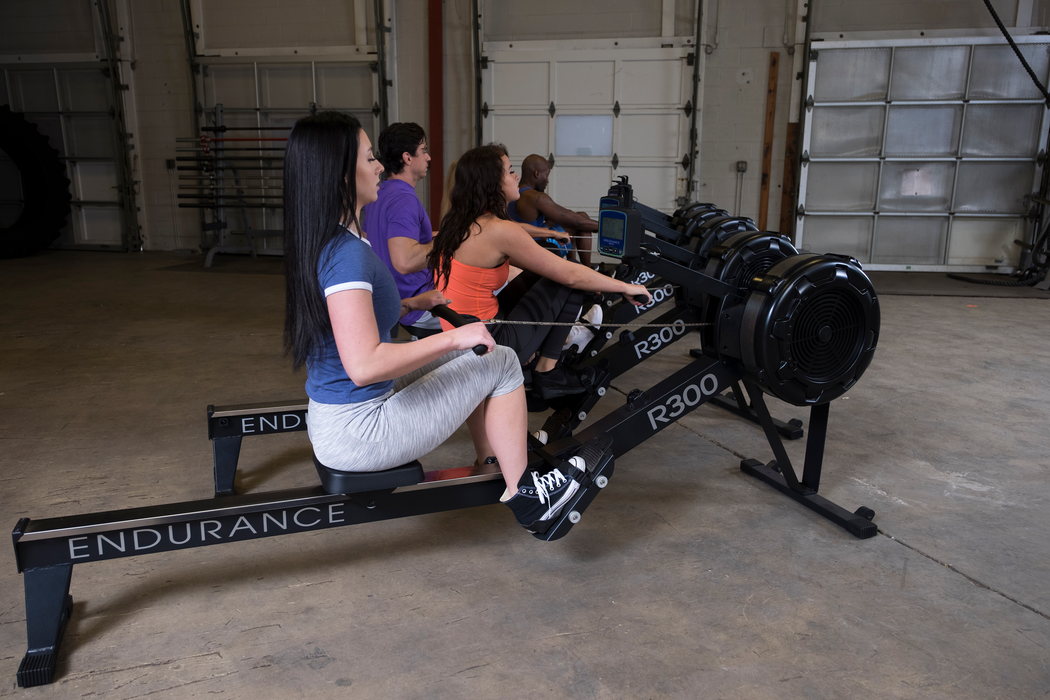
1031, 73
1035, 274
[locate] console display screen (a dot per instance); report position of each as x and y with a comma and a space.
612, 228
611, 232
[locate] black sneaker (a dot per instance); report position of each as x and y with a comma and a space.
561, 382
540, 499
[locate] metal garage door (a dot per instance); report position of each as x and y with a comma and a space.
597, 113
921, 155
266, 76
65, 83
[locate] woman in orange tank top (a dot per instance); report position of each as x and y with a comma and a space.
476, 243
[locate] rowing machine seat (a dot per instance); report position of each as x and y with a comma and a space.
336, 481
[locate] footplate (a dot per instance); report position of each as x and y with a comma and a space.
590, 484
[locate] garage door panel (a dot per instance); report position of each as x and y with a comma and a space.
580, 187
84, 90
520, 84
33, 91
101, 226
97, 181
654, 185
651, 135
844, 235
522, 134
230, 86
344, 85
285, 86
651, 82
585, 83
985, 241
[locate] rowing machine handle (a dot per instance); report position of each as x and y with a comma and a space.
457, 320
640, 298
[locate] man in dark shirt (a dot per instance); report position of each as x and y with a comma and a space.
397, 225
537, 208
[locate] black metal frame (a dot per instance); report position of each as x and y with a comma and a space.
46, 550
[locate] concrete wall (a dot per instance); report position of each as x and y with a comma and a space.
741, 34
162, 102
459, 80
740, 38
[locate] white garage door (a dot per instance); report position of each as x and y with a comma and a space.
598, 113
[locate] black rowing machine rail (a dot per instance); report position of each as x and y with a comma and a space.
803, 331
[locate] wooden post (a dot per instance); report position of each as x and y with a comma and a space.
767, 150
787, 193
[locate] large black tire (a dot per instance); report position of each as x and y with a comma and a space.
45, 188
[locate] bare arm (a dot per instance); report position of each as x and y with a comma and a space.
367, 361
553, 211
524, 253
408, 255
423, 302
540, 232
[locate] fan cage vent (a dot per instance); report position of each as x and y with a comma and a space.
828, 335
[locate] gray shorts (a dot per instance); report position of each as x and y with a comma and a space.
424, 408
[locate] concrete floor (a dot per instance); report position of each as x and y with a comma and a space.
686, 578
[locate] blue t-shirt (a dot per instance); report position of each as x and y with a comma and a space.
349, 263
399, 213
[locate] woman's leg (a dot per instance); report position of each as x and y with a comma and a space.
418, 417
542, 301
499, 428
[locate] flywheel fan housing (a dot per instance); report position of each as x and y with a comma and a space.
742, 257
809, 328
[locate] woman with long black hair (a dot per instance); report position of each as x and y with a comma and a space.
472, 252
375, 404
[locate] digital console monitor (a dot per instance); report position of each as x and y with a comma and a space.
619, 232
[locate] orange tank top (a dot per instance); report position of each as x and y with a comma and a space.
471, 290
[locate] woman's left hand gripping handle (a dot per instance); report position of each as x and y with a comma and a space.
472, 332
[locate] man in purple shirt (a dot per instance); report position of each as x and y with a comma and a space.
397, 225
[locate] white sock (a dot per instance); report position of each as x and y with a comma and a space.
507, 495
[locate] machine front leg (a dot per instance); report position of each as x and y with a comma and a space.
780, 474
48, 607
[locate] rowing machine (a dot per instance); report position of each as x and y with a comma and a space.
803, 331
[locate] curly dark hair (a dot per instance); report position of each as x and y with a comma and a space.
478, 191
397, 140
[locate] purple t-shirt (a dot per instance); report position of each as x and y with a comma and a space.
399, 213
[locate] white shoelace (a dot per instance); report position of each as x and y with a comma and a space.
547, 483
